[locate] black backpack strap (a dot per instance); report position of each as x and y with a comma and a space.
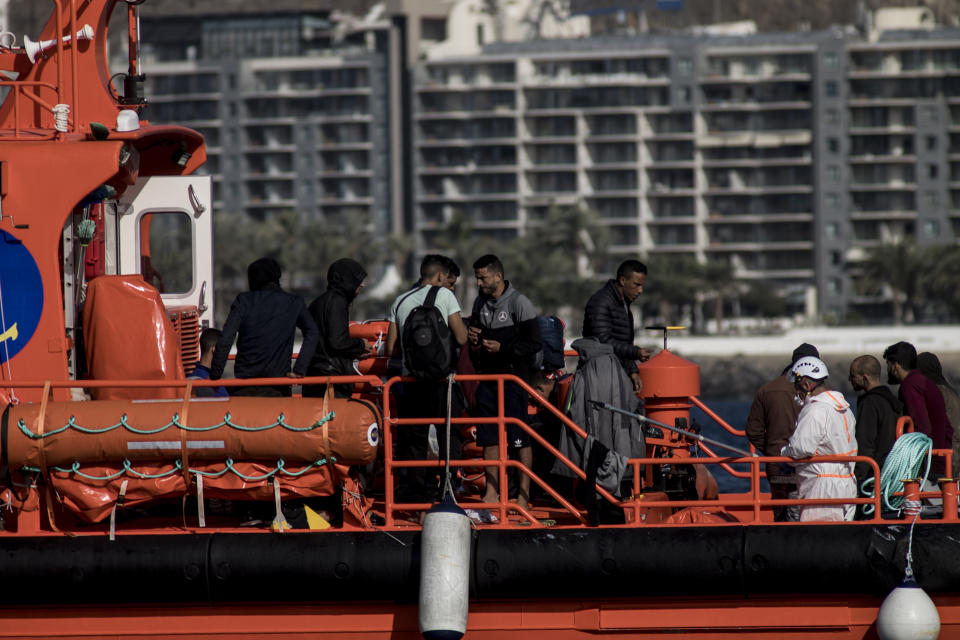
431, 299
396, 309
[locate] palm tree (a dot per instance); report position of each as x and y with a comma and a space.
894, 270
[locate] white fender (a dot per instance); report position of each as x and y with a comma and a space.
444, 572
908, 613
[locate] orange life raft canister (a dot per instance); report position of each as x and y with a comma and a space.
294, 430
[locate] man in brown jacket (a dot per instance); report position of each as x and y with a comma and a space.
772, 419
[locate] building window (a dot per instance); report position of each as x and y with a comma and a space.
684, 66
836, 258
684, 95
833, 173
931, 228
831, 60
834, 286
480, 34
833, 145
931, 200
831, 89
832, 116
930, 113
832, 230
931, 143
831, 201
932, 171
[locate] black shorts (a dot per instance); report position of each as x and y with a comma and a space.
514, 406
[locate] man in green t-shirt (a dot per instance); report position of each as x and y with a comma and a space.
422, 398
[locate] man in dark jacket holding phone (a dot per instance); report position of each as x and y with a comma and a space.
608, 319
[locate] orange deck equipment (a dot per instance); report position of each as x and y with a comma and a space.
668, 383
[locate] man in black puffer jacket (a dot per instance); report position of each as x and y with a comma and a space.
336, 350
608, 319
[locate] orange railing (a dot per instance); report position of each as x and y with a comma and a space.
18, 86
753, 500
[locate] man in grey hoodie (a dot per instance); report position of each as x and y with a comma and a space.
504, 337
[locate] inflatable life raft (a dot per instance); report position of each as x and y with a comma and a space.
96, 453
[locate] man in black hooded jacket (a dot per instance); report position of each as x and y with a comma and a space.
336, 350
877, 413
608, 319
266, 318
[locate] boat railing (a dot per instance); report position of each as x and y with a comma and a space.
750, 507
18, 87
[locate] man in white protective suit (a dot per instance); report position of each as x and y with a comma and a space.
825, 427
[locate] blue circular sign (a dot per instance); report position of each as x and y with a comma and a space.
21, 296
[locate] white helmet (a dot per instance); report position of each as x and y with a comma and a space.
808, 367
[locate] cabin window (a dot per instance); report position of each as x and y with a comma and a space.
166, 251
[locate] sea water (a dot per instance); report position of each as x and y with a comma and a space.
734, 413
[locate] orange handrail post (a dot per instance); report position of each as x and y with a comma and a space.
948, 486
503, 489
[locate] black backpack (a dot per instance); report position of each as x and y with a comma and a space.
427, 349
551, 356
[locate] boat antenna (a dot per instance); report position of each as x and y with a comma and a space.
665, 330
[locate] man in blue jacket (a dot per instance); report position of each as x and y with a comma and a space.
607, 316
266, 319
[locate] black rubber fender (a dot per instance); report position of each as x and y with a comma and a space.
608, 562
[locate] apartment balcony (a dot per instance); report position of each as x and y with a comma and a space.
670, 164
689, 247
269, 147
891, 214
465, 197
889, 185
751, 190
670, 192
757, 105
855, 100
751, 163
885, 130
887, 158
746, 138
772, 274
344, 173
267, 176
671, 220
254, 202
758, 218
728, 79
345, 199
346, 145
760, 246
574, 80
286, 91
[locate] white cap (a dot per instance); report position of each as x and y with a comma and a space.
128, 120
808, 367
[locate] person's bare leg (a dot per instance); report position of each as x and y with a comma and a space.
523, 494
491, 475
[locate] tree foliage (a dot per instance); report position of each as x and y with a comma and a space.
554, 262
304, 247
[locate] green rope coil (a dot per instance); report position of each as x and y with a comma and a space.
174, 422
903, 463
178, 467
